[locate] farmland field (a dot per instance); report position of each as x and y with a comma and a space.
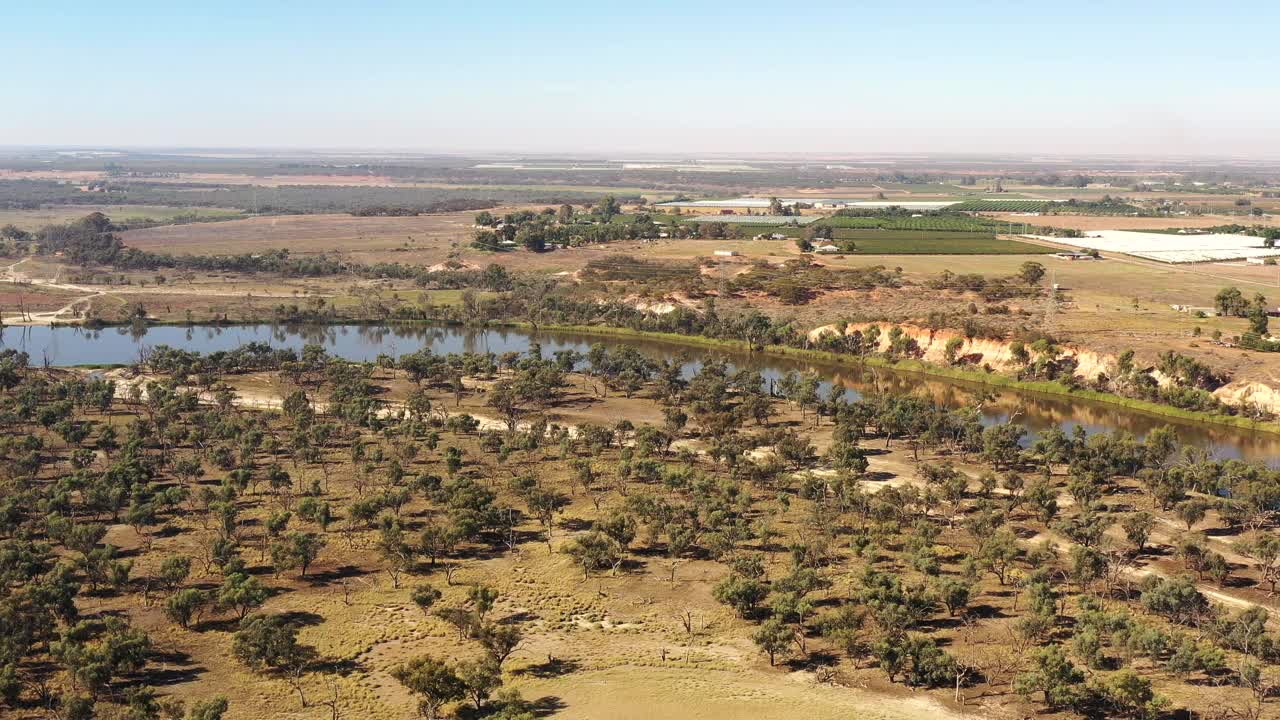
660, 218
304, 234
1001, 205
1128, 222
1104, 206
788, 230
944, 223
756, 219
907, 242
52, 214
935, 188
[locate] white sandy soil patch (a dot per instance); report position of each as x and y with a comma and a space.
642, 693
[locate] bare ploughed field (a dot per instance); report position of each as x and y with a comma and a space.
85, 176
279, 180
425, 240
387, 238
32, 298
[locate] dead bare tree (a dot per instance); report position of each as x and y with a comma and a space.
686, 619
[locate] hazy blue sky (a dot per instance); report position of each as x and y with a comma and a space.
681, 77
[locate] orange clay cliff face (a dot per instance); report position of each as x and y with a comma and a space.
981, 352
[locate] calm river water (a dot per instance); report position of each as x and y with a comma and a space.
65, 346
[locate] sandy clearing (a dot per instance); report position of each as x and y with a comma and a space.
641, 693
11, 274
64, 314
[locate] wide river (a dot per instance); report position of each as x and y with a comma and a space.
67, 346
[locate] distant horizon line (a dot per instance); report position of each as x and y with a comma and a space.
624, 155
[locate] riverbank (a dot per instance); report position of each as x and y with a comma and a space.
1036, 405
994, 380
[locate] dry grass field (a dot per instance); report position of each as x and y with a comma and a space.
265, 180
425, 240
31, 220
32, 297
408, 239
331, 180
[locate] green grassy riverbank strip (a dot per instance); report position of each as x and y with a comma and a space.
917, 367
